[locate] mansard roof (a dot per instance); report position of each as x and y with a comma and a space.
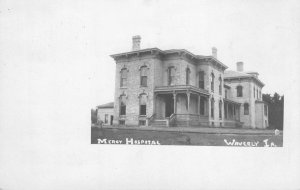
241, 75
108, 105
170, 51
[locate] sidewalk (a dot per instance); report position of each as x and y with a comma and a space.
204, 130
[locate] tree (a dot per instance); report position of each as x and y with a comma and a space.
276, 110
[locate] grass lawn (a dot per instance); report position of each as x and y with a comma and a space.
183, 138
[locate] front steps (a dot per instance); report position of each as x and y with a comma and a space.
159, 123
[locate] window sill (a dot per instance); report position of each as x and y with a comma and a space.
123, 87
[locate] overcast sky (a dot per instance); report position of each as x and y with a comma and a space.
65, 41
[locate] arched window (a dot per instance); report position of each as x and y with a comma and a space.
123, 81
201, 79
212, 107
220, 85
171, 76
144, 76
212, 82
246, 109
123, 105
187, 76
239, 91
143, 104
220, 109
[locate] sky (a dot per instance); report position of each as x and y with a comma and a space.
80, 36
259, 33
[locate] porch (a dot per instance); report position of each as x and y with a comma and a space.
181, 105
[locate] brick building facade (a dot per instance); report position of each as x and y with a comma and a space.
178, 88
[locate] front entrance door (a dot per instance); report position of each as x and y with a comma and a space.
169, 105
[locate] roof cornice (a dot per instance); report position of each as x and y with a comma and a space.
171, 51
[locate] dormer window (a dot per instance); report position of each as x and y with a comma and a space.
239, 91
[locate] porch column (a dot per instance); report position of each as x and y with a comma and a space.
188, 94
227, 111
175, 103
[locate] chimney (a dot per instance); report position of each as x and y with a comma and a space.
240, 66
136, 41
214, 52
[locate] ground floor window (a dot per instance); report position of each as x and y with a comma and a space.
142, 109
220, 109
212, 102
202, 106
142, 122
246, 109
106, 119
122, 122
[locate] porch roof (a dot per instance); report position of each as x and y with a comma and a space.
231, 101
180, 88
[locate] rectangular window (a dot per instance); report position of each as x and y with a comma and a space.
239, 91
121, 122
201, 79
226, 96
143, 80
106, 119
202, 106
246, 109
142, 122
212, 111
220, 110
142, 109
123, 110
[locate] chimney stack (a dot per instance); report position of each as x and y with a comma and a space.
214, 52
136, 42
240, 66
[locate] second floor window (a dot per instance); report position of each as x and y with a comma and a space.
144, 76
220, 85
254, 92
122, 105
239, 91
201, 79
246, 109
188, 73
171, 76
212, 82
123, 81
